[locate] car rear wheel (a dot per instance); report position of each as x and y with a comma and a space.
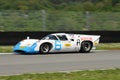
44, 48
86, 47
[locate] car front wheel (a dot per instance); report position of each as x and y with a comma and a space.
44, 48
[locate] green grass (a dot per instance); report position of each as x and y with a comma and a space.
108, 46
6, 49
111, 74
101, 46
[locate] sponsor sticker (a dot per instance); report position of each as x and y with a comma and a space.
67, 45
22, 47
86, 38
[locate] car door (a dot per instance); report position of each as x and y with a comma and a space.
66, 44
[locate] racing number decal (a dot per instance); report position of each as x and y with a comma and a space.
78, 42
57, 45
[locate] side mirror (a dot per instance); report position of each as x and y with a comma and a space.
28, 37
72, 39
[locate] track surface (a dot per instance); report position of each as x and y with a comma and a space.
18, 64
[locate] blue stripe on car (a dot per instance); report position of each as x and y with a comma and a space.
16, 47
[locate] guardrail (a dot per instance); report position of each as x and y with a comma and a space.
11, 38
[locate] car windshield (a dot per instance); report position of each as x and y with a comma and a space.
49, 37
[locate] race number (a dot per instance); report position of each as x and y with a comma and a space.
78, 42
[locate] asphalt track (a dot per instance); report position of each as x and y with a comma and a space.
20, 64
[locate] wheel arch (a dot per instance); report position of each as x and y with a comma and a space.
51, 45
82, 49
88, 41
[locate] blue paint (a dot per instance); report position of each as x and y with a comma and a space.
58, 45
26, 49
16, 47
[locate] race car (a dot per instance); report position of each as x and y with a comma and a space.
58, 42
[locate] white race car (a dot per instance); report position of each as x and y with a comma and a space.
58, 42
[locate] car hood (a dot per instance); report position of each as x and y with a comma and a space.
28, 42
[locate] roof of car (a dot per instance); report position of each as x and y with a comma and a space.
58, 33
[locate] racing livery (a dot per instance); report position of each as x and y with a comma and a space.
58, 42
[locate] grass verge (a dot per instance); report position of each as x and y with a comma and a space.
108, 46
6, 49
111, 74
101, 46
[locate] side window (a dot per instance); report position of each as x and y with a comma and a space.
52, 37
62, 37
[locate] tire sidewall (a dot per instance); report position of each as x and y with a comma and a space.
86, 47
41, 48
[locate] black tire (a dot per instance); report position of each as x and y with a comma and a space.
45, 48
86, 47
